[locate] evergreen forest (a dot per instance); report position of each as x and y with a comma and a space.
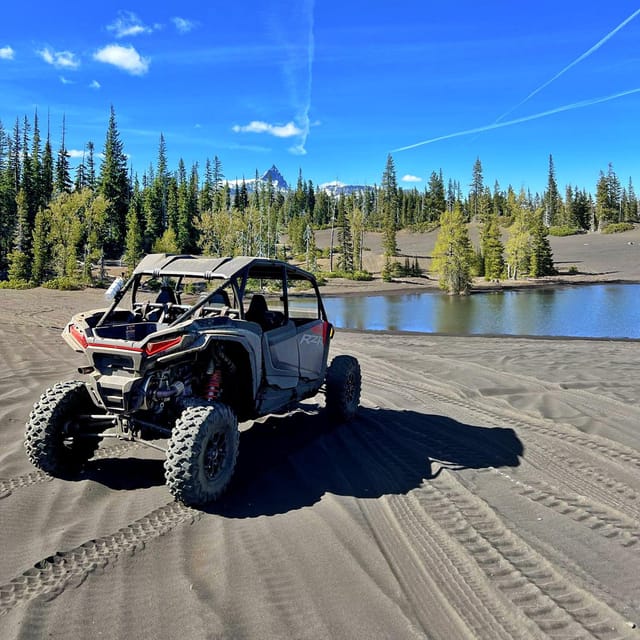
59, 226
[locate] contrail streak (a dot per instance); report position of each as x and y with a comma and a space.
304, 116
535, 116
579, 59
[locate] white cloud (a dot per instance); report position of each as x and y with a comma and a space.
6, 53
76, 153
65, 80
125, 58
410, 178
128, 24
94, 84
183, 25
59, 59
288, 130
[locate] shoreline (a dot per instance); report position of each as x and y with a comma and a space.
342, 287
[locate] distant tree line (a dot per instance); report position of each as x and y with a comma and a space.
55, 224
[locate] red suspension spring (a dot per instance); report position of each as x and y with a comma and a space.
212, 391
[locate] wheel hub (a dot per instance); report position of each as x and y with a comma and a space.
214, 455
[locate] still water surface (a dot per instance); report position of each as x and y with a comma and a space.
598, 311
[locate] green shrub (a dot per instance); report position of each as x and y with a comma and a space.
565, 230
573, 270
617, 227
63, 283
363, 276
16, 284
339, 273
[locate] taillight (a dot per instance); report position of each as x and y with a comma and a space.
153, 348
78, 336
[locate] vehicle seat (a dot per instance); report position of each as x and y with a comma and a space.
166, 295
221, 297
257, 311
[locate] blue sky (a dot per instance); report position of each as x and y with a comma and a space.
331, 88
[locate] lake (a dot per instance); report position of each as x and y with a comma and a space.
585, 311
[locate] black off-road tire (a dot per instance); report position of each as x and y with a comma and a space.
343, 384
202, 453
49, 439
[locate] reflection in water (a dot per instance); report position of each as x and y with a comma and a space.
602, 311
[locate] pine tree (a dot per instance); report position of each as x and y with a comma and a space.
631, 209
114, 186
453, 253
41, 248
187, 210
91, 166
605, 213
389, 214
356, 221
27, 206
62, 180
552, 201
434, 199
477, 189
345, 239
207, 192
220, 189
8, 205
46, 189
134, 238
161, 184
541, 254
492, 249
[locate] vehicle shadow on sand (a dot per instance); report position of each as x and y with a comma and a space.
291, 462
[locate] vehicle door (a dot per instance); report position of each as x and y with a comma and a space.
312, 332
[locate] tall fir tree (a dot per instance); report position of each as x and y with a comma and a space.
552, 201
62, 179
389, 215
345, 239
114, 186
541, 254
134, 240
477, 189
492, 249
434, 199
47, 173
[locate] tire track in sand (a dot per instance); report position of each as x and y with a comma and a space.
51, 575
549, 597
443, 536
9, 485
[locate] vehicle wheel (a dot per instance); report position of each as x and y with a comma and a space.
202, 453
49, 438
342, 387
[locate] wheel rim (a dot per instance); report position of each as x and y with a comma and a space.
214, 455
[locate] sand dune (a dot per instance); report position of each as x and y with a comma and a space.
489, 488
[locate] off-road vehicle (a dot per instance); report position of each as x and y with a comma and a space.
188, 347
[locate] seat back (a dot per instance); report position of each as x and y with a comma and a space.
257, 311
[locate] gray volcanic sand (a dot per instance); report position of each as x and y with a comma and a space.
489, 488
